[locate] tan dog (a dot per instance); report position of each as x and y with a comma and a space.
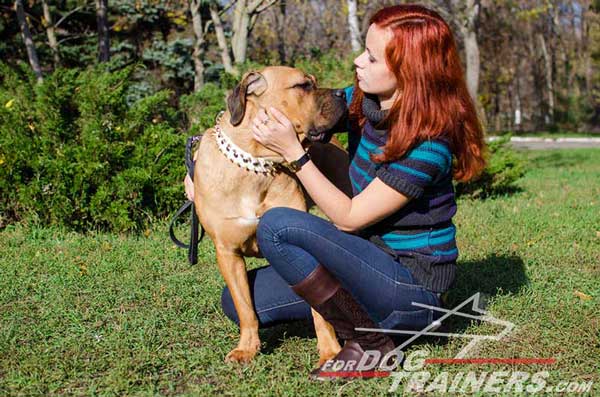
236, 180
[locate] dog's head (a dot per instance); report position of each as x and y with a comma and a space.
312, 110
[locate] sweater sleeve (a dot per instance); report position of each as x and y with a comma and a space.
417, 169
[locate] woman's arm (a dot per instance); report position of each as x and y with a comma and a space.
376, 202
373, 204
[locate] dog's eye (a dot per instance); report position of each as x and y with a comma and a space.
307, 86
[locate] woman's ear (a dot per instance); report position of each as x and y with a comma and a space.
252, 83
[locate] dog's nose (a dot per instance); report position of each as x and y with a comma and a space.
340, 94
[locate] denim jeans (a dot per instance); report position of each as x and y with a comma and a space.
295, 242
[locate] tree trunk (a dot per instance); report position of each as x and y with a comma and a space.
102, 25
240, 27
355, 39
50, 32
280, 19
549, 118
198, 54
221, 40
245, 14
29, 45
469, 34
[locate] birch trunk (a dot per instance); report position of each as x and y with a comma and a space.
29, 45
198, 54
51, 33
102, 24
221, 40
355, 39
548, 74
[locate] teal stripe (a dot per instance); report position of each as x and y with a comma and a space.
412, 244
438, 147
420, 240
441, 240
362, 153
356, 185
411, 171
430, 157
405, 237
371, 147
442, 232
435, 233
364, 173
453, 251
415, 244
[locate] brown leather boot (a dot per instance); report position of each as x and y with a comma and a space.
324, 293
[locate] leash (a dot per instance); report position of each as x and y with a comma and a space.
192, 247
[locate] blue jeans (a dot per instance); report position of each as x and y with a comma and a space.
295, 242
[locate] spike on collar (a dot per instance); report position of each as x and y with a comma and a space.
240, 157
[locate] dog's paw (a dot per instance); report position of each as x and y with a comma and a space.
240, 356
324, 358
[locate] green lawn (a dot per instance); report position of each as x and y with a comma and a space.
549, 134
107, 314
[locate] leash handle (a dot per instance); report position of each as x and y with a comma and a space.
180, 211
192, 247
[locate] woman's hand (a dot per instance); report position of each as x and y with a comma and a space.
276, 133
189, 187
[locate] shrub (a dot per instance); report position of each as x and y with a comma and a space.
74, 153
504, 168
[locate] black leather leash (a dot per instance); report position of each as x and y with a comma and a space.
192, 247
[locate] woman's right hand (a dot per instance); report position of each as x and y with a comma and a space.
189, 187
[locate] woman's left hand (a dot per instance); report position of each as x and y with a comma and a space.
275, 133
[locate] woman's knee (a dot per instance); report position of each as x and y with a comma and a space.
273, 221
277, 219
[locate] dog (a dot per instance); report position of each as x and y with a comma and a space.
236, 180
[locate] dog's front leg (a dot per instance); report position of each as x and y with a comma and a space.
327, 342
233, 269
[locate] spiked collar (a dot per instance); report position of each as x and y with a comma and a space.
243, 159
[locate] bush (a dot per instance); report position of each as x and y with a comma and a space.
74, 153
85, 150
504, 168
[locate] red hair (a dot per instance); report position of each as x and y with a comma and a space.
434, 99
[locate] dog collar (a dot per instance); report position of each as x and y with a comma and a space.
240, 157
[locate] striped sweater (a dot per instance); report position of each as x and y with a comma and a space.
420, 235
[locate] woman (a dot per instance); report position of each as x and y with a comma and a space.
392, 243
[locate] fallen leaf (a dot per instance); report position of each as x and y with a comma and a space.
582, 296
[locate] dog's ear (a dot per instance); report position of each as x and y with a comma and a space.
252, 83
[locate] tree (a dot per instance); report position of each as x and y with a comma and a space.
221, 40
355, 40
28, 40
199, 44
102, 24
244, 17
50, 32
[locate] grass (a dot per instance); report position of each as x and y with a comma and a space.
105, 314
548, 134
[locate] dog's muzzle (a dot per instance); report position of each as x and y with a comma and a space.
323, 134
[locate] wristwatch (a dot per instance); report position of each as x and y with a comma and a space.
295, 165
